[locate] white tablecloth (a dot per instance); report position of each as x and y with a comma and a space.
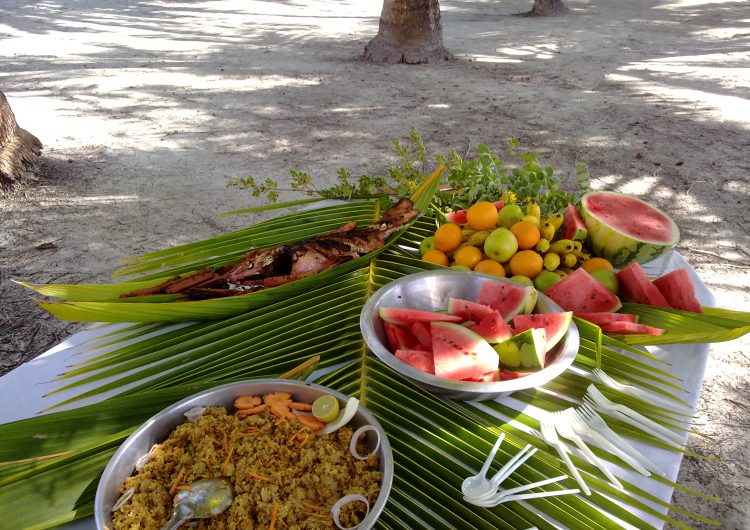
22, 390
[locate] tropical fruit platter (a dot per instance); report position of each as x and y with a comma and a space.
560, 263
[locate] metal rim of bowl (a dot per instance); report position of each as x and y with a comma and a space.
561, 363
103, 505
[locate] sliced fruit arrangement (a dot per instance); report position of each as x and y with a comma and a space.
492, 338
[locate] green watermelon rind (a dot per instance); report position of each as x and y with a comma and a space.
511, 351
621, 249
552, 339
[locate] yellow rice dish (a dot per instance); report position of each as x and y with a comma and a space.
284, 475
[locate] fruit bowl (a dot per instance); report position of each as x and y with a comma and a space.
430, 291
158, 428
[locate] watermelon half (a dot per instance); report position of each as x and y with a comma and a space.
508, 298
581, 293
635, 286
555, 325
624, 229
459, 353
679, 291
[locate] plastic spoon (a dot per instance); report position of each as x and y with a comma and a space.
205, 498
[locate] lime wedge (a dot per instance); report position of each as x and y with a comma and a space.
326, 408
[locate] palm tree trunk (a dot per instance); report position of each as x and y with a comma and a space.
410, 32
548, 8
18, 147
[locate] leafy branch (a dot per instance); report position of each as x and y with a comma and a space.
484, 176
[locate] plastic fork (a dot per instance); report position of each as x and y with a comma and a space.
509, 495
549, 435
580, 427
600, 402
615, 443
649, 397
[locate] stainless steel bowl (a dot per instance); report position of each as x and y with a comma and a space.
430, 291
158, 428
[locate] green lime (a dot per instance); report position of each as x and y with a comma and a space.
426, 245
326, 408
523, 280
509, 215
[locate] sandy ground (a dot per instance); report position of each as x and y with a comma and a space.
146, 109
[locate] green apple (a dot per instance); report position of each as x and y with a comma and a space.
500, 245
607, 278
426, 245
461, 268
546, 279
509, 215
523, 280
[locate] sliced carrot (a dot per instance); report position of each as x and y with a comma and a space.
254, 410
274, 514
278, 397
256, 476
300, 406
311, 506
311, 423
176, 482
281, 411
225, 465
247, 402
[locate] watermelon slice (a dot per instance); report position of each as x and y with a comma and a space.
636, 287
492, 328
526, 349
573, 226
458, 217
468, 310
555, 325
421, 360
600, 318
421, 331
489, 377
581, 293
400, 338
508, 298
679, 291
624, 229
459, 353
406, 317
630, 328
508, 375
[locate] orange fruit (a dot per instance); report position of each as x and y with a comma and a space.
435, 256
467, 256
526, 263
482, 216
490, 266
527, 234
596, 264
447, 237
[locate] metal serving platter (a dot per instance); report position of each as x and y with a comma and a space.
158, 428
430, 291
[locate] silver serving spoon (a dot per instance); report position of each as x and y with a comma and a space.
204, 499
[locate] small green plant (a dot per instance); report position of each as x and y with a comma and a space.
467, 180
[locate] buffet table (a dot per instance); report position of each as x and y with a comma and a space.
22, 390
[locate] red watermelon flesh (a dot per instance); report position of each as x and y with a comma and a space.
400, 338
459, 353
421, 360
630, 328
554, 324
573, 226
458, 217
468, 310
508, 298
421, 331
679, 291
507, 375
405, 317
489, 377
600, 318
492, 328
581, 293
635, 286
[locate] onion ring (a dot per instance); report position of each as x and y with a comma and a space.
343, 501
195, 413
355, 437
125, 497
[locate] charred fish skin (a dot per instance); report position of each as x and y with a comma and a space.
274, 266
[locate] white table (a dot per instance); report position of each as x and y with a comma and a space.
22, 390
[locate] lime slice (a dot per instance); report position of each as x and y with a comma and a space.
326, 408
